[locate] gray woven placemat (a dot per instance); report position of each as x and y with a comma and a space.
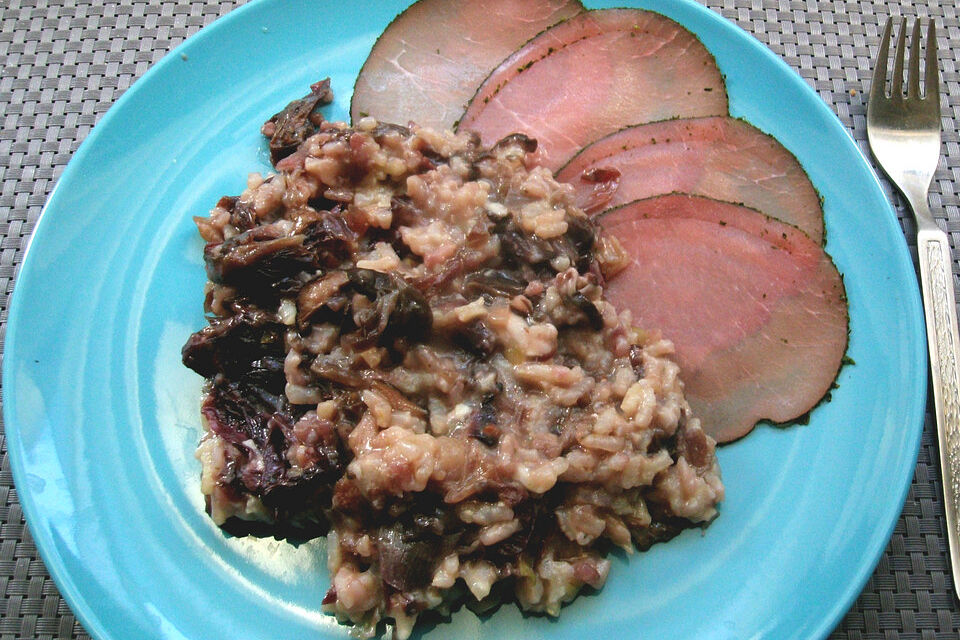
64, 62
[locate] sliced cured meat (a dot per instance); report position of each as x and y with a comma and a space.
718, 157
756, 309
430, 60
592, 75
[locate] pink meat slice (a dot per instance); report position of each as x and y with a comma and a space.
592, 75
756, 309
428, 63
718, 157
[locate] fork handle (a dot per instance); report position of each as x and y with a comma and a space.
940, 309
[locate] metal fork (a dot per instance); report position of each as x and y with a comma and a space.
904, 135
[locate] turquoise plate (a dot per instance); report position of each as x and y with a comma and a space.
102, 419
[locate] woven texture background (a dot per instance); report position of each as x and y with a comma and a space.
63, 63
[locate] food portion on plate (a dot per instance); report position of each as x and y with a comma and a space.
421, 346
737, 291
718, 157
409, 348
625, 105
423, 68
592, 75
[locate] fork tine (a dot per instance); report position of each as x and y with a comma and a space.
896, 82
913, 72
931, 81
878, 87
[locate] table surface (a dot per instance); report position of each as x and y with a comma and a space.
64, 62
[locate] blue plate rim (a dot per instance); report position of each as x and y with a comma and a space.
889, 217
68, 588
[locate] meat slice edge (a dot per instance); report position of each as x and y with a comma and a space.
756, 309
592, 75
717, 157
430, 60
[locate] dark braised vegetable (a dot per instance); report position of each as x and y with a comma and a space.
255, 260
397, 309
580, 301
261, 425
483, 422
298, 121
526, 143
265, 263
230, 346
414, 541
241, 216
660, 530
408, 558
527, 513
576, 245
582, 234
319, 293
521, 247
476, 338
329, 238
493, 282
238, 412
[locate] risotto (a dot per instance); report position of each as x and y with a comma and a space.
409, 351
